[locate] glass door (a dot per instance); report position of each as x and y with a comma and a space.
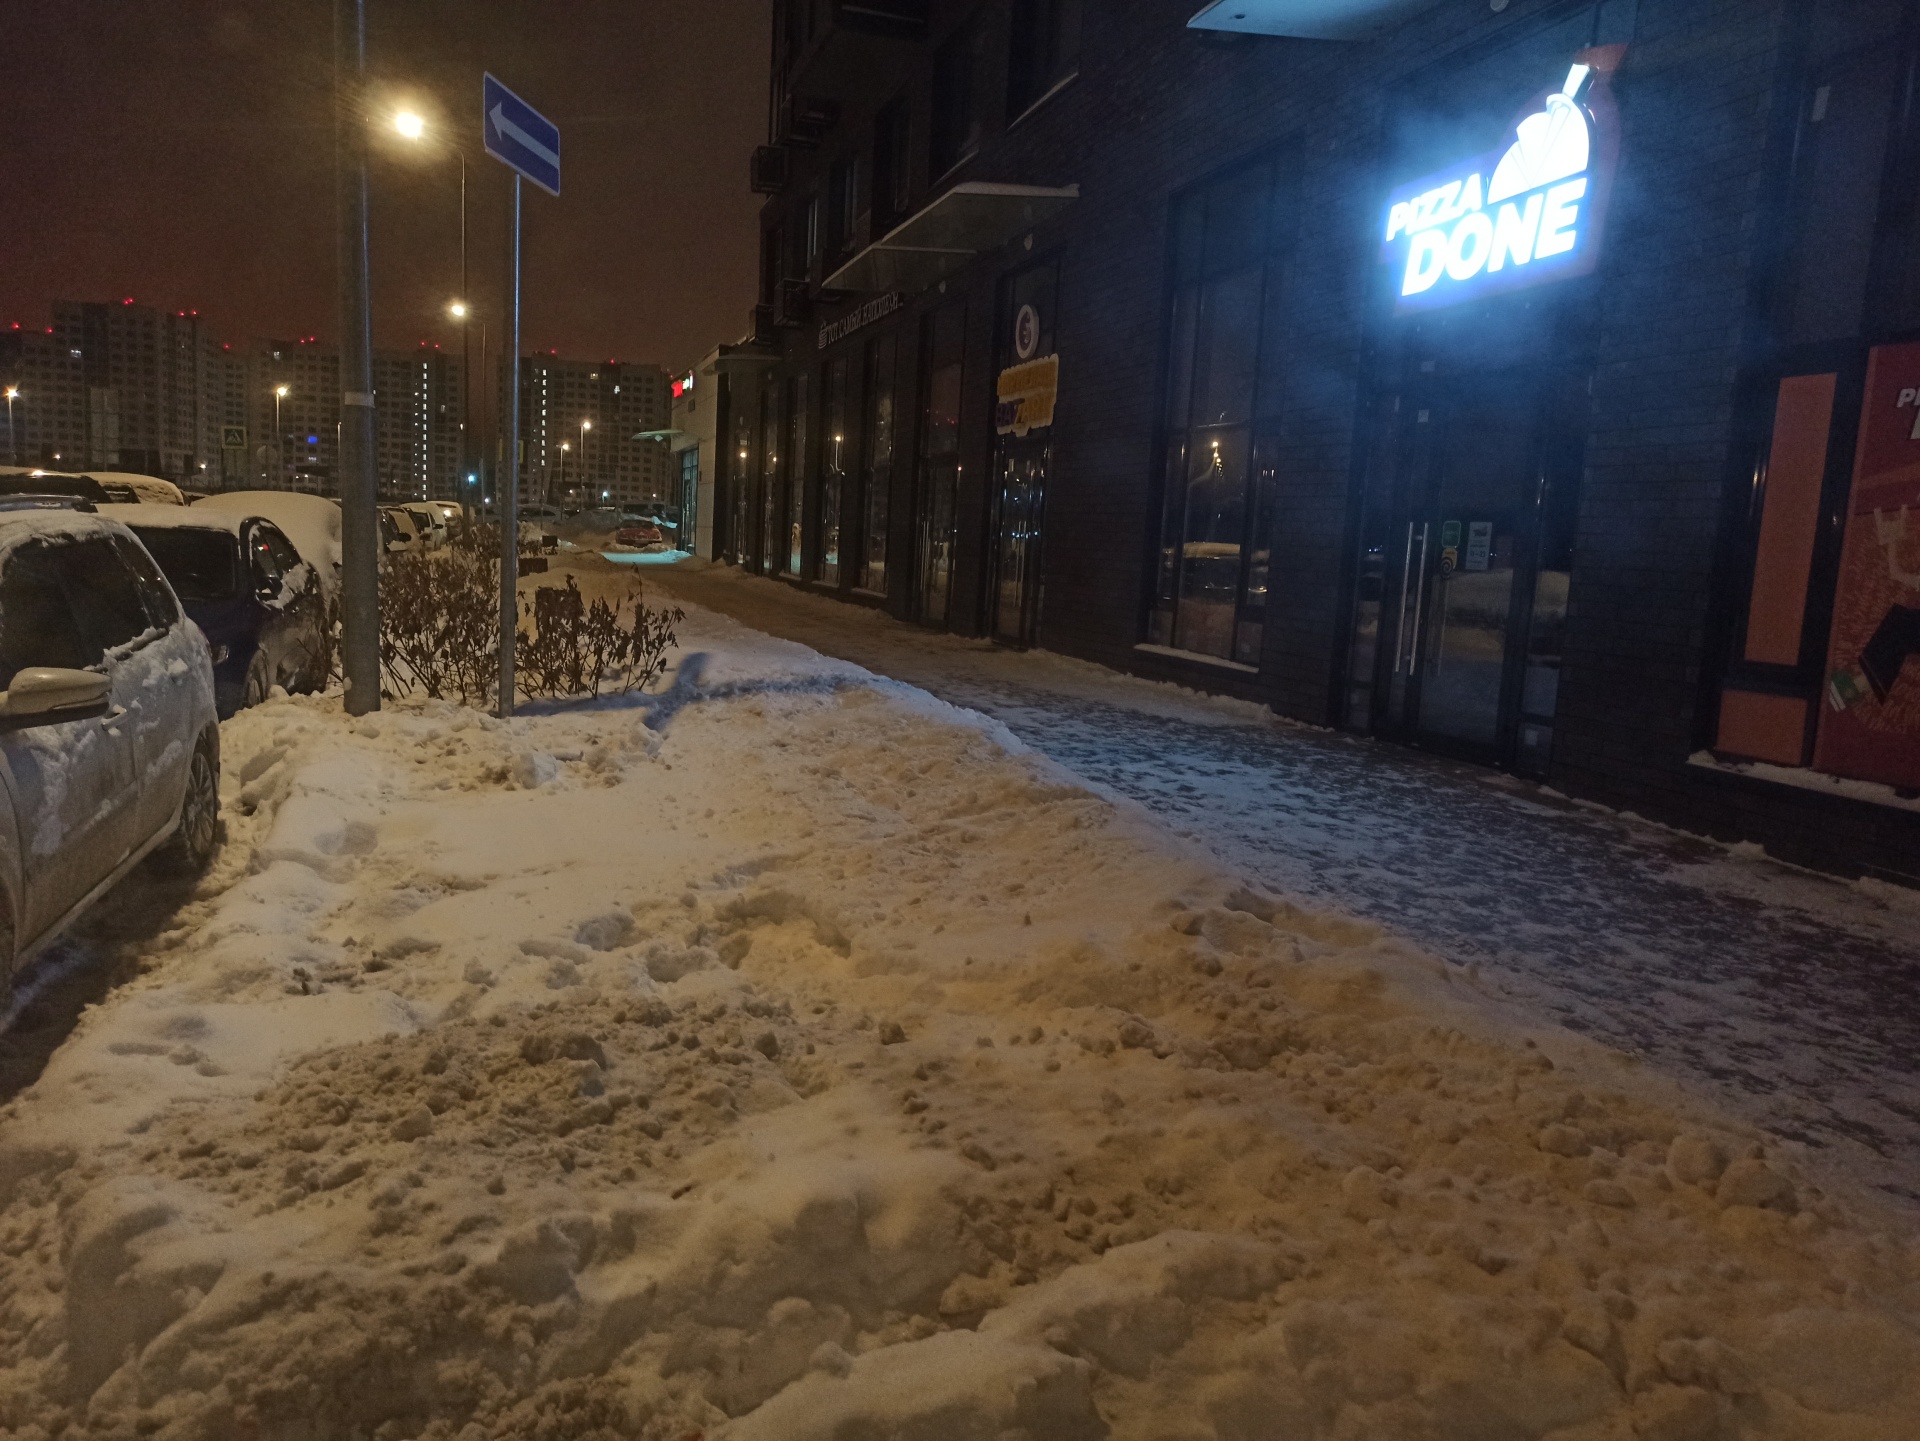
1028, 367
1480, 559
1016, 559
938, 497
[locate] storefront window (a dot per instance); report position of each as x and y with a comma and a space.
1217, 504
796, 469
770, 471
835, 449
881, 355
739, 475
943, 337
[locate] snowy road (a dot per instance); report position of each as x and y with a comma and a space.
1792, 997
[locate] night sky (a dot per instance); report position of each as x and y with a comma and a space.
181, 152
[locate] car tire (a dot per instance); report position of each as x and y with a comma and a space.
259, 681
189, 850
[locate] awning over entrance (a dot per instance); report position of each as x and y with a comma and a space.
926, 247
1307, 19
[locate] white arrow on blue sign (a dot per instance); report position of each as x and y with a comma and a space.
520, 136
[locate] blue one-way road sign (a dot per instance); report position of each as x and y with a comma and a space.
520, 136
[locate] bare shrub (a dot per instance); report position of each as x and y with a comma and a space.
440, 629
440, 623
576, 647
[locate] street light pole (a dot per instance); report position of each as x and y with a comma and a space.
13, 441
466, 339
280, 393
414, 127
510, 496
359, 516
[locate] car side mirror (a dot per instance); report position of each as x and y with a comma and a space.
46, 695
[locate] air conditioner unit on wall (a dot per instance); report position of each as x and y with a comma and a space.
769, 174
808, 119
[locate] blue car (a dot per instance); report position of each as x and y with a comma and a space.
243, 583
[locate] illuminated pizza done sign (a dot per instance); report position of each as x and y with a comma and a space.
1527, 213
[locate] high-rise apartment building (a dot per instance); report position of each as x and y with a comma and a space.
581, 424
116, 386
46, 420
294, 436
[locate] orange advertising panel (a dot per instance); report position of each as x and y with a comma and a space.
1870, 722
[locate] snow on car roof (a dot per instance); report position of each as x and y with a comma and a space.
311, 522
17, 527
177, 517
152, 489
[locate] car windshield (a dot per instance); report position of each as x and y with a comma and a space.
198, 562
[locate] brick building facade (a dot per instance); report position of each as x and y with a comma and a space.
1170, 347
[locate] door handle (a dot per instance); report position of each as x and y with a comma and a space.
1419, 602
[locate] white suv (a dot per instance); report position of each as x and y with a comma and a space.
109, 747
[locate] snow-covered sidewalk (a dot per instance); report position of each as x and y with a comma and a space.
1793, 998
794, 1056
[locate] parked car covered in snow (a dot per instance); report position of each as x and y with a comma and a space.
430, 520
643, 536
247, 588
311, 522
100, 486
401, 530
109, 745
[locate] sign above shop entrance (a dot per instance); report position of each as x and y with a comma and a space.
878, 308
1527, 213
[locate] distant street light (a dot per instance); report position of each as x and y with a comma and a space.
13, 442
414, 127
586, 480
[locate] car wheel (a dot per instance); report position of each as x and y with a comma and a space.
190, 849
259, 680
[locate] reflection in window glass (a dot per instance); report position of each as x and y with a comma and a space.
796, 470
199, 563
37, 626
770, 453
880, 367
1218, 503
834, 450
101, 590
945, 331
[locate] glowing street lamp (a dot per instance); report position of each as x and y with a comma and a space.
412, 126
13, 444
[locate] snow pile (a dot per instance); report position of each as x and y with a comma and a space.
787, 1057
